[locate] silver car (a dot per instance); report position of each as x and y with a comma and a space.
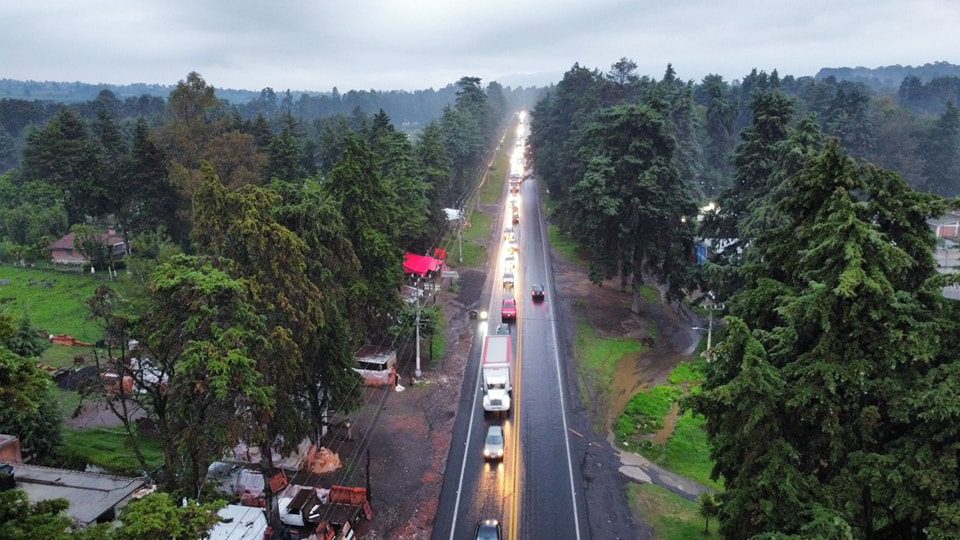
493, 445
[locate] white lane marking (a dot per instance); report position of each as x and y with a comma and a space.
556, 357
476, 390
466, 452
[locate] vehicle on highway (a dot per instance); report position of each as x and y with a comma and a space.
488, 529
508, 280
510, 263
516, 218
508, 311
493, 445
503, 330
495, 372
537, 293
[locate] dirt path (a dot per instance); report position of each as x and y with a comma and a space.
661, 437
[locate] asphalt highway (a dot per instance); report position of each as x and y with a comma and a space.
535, 492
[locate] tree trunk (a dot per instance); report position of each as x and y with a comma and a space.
637, 282
266, 468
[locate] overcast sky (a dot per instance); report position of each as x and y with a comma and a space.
318, 44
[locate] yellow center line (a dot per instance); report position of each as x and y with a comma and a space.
515, 507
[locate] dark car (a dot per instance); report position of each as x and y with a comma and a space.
537, 293
503, 330
488, 529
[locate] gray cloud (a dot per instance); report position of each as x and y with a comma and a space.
420, 43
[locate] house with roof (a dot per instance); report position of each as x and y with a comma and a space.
64, 250
94, 498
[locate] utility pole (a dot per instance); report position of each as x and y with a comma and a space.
710, 329
460, 239
416, 372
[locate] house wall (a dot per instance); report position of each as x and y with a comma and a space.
10, 450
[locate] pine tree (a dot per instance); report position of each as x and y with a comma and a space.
940, 153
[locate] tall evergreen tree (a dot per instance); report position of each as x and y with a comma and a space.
940, 152
843, 296
755, 162
718, 125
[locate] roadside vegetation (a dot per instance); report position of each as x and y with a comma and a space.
476, 235
597, 360
565, 245
672, 516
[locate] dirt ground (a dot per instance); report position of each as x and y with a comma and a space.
666, 330
412, 437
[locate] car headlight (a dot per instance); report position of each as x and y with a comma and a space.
483, 314
486, 453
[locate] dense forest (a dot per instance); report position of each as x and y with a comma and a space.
26, 105
251, 241
887, 79
831, 402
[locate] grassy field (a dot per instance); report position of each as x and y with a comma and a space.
63, 356
68, 400
108, 448
497, 175
672, 516
60, 309
475, 236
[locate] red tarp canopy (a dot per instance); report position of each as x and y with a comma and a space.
420, 265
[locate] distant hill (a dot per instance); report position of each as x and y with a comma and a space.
887, 79
75, 92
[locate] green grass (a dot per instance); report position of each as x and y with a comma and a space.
438, 342
688, 373
672, 516
61, 309
62, 356
497, 175
474, 236
565, 245
493, 185
68, 400
108, 448
650, 294
600, 355
645, 413
687, 453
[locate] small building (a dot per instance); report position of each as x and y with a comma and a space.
64, 250
94, 498
10, 449
422, 266
376, 366
946, 226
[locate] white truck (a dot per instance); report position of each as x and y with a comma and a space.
495, 373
